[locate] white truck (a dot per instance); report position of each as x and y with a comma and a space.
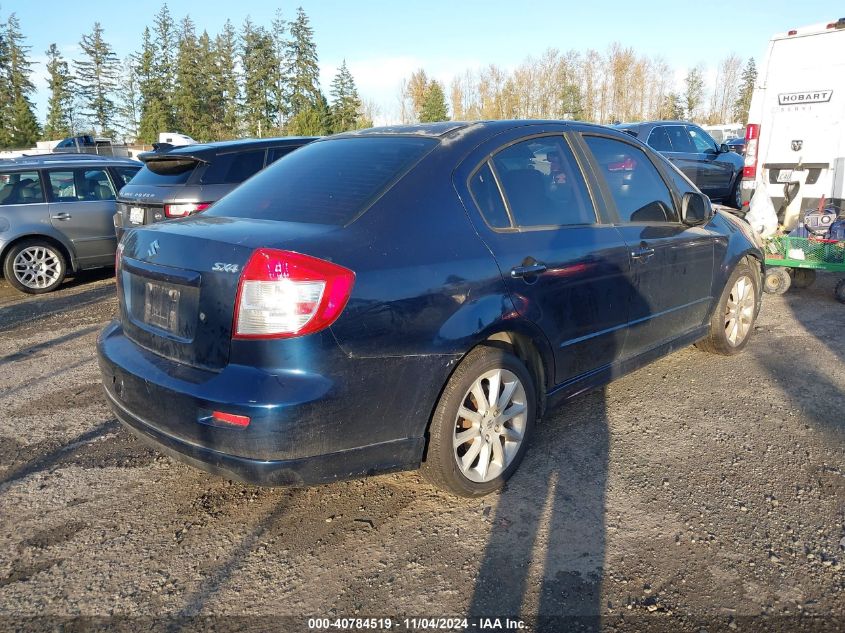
795, 138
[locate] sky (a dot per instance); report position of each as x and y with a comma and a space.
383, 41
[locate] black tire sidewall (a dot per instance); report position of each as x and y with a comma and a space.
444, 417
717, 323
9, 273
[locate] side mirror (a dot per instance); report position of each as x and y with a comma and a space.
724, 148
695, 208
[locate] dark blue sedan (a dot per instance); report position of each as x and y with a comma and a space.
714, 168
417, 295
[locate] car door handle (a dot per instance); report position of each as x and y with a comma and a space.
644, 252
523, 271
61, 216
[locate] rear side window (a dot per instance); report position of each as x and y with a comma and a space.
634, 182
659, 140
543, 185
327, 182
489, 198
680, 139
125, 174
233, 168
166, 171
21, 187
80, 185
275, 153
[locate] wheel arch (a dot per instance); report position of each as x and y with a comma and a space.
65, 249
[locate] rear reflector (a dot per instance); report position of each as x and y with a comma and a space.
181, 210
283, 294
230, 418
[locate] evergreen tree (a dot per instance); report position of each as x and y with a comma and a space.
694, 82
258, 63
60, 103
433, 107
129, 102
345, 101
210, 90
164, 66
187, 97
20, 126
302, 68
5, 89
314, 120
671, 107
154, 109
281, 80
225, 47
97, 74
746, 90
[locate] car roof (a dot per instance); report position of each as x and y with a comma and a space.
216, 147
66, 160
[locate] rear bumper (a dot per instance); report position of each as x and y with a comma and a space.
306, 426
357, 462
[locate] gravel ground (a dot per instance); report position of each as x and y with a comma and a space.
699, 493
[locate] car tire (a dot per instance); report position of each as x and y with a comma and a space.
732, 322
736, 194
803, 277
489, 440
35, 266
839, 291
777, 281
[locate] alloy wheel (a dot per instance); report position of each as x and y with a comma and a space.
739, 311
37, 267
490, 425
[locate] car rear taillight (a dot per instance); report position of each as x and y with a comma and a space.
752, 135
283, 294
183, 209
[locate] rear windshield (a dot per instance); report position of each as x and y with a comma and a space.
327, 182
165, 172
233, 168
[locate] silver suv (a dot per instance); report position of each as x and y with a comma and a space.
56, 216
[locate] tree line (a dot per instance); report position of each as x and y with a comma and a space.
252, 81
618, 85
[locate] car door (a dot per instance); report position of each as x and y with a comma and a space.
672, 263
715, 173
566, 270
82, 207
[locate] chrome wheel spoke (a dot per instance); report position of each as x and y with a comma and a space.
739, 311
490, 425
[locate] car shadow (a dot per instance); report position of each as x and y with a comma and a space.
546, 551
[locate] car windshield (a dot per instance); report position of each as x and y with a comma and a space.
327, 182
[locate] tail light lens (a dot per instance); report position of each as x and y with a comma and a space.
283, 294
181, 210
752, 136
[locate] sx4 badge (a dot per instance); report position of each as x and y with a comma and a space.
220, 267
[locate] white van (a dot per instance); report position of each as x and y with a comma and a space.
795, 138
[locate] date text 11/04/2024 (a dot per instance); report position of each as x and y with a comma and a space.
416, 624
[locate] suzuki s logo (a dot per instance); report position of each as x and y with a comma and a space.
152, 251
797, 145
220, 267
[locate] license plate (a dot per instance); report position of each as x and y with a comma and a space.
136, 215
161, 306
785, 175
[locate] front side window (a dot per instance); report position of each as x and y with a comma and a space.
634, 182
542, 184
63, 186
96, 185
21, 187
702, 140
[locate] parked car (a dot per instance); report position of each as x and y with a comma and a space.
713, 167
56, 216
417, 294
87, 144
183, 180
737, 145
